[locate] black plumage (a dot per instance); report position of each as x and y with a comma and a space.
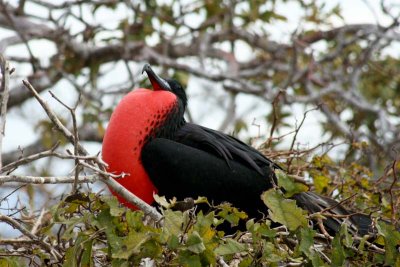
226, 146
193, 161
181, 171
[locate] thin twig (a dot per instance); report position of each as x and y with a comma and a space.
26, 160
297, 130
50, 153
275, 117
392, 197
338, 204
116, 187
222, 262
4, 94
371, 245
123, 192
38, 222
12, 222
16, 242
21, 33
47, 179
76, 137
53, 117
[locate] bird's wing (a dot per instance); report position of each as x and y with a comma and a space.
224, 146
179, 170
313, 203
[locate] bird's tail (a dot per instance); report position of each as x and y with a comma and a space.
335, 214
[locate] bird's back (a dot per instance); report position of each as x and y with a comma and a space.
224, 146
203, 162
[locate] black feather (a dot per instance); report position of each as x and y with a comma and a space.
358, 223
182, 171
188, 160
223, 145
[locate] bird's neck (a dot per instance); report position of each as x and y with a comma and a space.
174, 121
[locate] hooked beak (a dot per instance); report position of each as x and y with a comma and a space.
158, 83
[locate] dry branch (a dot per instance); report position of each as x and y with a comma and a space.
47, 179
16, 225
5, 72
115, 186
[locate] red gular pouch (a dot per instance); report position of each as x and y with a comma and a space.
133, 122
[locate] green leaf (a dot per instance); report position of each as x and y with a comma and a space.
120, 263
338, 252
266, 231
246, 262
307, 241
290, 186
320, 182
320, 161
162, 201
181, 77
203, 226
87, 259
203, 222
272, 253
173, 221
268, 15
71, 224
116, 243
283, 210
195, 243
81, 253
151, 248
173, 242
392, 239
230, 246
240, 125
397, 264
134, 220
130, 245
201, 200
316, 260
9, 262
231, 214
346, 236
208, 257
260, 229
187, 259
115, 209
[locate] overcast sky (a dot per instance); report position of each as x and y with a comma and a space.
20, 130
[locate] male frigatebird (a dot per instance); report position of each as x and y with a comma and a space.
149, 139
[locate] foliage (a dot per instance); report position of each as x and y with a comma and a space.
94, 230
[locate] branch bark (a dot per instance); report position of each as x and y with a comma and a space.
5, 72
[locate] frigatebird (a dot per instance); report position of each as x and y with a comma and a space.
149, 138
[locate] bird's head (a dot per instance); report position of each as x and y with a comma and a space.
160, 84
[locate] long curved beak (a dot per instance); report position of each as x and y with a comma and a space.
158, 83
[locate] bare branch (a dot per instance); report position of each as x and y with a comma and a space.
76, 138
47, 180
86, 133
5, 72
106, 178
26, 160
53, 117
30, 235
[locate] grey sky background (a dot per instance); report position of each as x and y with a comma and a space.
20, 129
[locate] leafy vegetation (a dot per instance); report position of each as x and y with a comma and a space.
94, 230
